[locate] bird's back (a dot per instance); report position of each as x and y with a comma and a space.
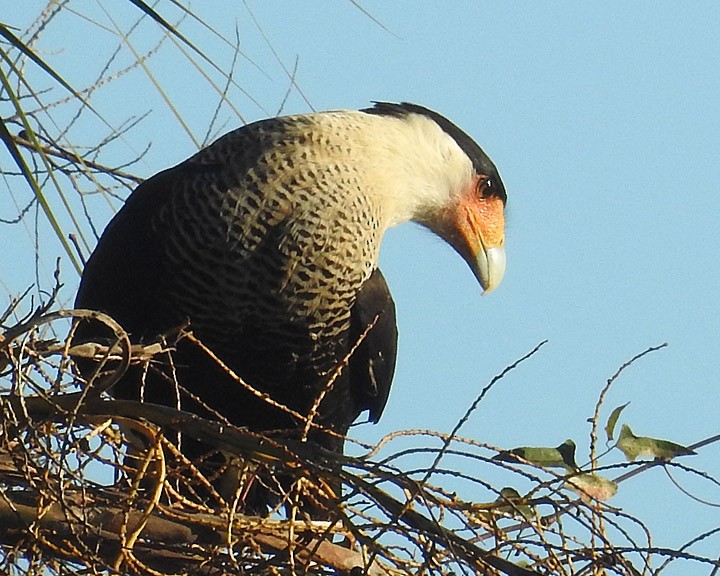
261, 241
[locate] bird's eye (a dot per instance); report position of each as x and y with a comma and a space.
486, 187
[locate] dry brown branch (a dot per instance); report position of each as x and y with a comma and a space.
97, 483
101, 528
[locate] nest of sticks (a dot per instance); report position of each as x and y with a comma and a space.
419, 502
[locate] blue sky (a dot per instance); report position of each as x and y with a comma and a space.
603, 120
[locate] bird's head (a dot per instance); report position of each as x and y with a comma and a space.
475, 226
456, 191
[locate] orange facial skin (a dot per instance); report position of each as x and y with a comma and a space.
479, 233
481, 222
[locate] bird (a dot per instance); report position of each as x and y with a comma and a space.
266, 243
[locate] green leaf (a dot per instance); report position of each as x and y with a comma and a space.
637, 446
7, 139
509, 503
562, 456
593, 486
25, 49
612, 421
147, 9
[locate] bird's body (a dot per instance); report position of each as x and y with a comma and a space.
267, 243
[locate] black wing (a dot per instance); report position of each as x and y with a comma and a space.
373, 364
121, 275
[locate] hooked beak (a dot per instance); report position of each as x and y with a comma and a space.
481, 226
489, 267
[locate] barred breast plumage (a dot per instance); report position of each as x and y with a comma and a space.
282, 234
